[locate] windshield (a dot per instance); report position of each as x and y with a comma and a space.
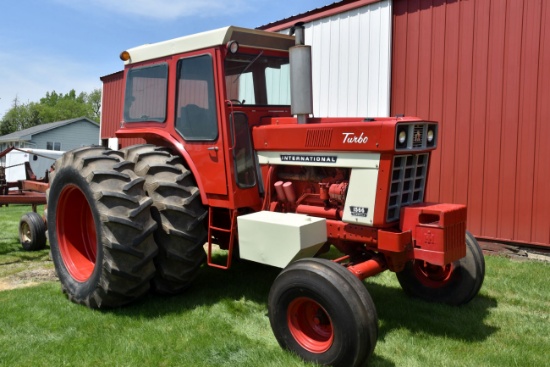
256, 79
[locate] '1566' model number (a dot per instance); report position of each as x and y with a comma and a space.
359, 211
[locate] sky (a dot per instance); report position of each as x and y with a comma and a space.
59, 45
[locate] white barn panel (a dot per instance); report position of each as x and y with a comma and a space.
352, 62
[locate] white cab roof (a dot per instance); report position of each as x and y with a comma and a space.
244, 36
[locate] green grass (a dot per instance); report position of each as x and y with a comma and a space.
222, 321
11, 251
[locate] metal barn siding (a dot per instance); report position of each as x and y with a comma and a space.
111, 108
351, 62
351, 53
111, 103
481, 68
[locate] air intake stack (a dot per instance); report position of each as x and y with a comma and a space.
301, 96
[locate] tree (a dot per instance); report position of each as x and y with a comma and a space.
19, 117
94, 99
52, 107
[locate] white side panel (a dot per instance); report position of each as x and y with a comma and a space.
361, 196
329, 159
278, 239
351, 62
112, 143
15, 168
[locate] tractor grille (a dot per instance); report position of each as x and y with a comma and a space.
408, 183
418, 136
318, 138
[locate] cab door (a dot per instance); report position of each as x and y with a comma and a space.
197, 120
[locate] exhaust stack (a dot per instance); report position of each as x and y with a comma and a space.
301, 91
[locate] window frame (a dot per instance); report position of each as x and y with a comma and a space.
211, 96
125, 112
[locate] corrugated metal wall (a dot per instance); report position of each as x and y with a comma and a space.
481, 68
351, 62
112, 99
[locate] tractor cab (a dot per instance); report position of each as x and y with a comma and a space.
202, 94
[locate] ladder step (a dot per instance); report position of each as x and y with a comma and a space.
231, 230
221, 229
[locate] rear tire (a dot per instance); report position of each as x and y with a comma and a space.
323, 313
455, 284
178, 210
32, 232
100, 228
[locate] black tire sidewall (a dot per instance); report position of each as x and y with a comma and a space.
64, 177
38, 232
341, 302
466, 279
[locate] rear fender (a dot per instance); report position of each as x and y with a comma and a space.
165, 139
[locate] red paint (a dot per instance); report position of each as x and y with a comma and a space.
76, 233
369, 268
310, 16
310, 325
112, 99
540, 226
485, 65
432, 276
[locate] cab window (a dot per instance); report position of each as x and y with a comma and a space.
145, 94
196, 117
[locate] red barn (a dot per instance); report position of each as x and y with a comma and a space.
480, 67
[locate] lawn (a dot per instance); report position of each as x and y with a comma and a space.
11, 251
222, 321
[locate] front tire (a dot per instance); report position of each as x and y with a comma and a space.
100, 228
324, 314
455, 284
32, 232
180, 215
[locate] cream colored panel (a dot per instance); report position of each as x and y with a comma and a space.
361, 196
328, 159
278, 239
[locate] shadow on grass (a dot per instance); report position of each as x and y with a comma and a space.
397, 311
252, 282
245, 280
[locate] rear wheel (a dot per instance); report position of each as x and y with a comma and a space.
180, 215
32, 232
455, 284
324, 314
100, 228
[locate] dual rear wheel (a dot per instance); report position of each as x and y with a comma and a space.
104, 218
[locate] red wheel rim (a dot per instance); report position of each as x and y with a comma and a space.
433, 276
76, 233
310, 325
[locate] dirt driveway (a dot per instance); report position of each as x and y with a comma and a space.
19, 275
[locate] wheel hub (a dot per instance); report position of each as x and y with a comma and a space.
310, 325
76, 233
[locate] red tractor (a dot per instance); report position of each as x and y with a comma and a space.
233, 158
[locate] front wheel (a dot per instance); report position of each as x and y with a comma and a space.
324, 314
455, 284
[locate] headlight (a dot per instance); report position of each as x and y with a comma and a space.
430, 135
233, 46
402, 136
